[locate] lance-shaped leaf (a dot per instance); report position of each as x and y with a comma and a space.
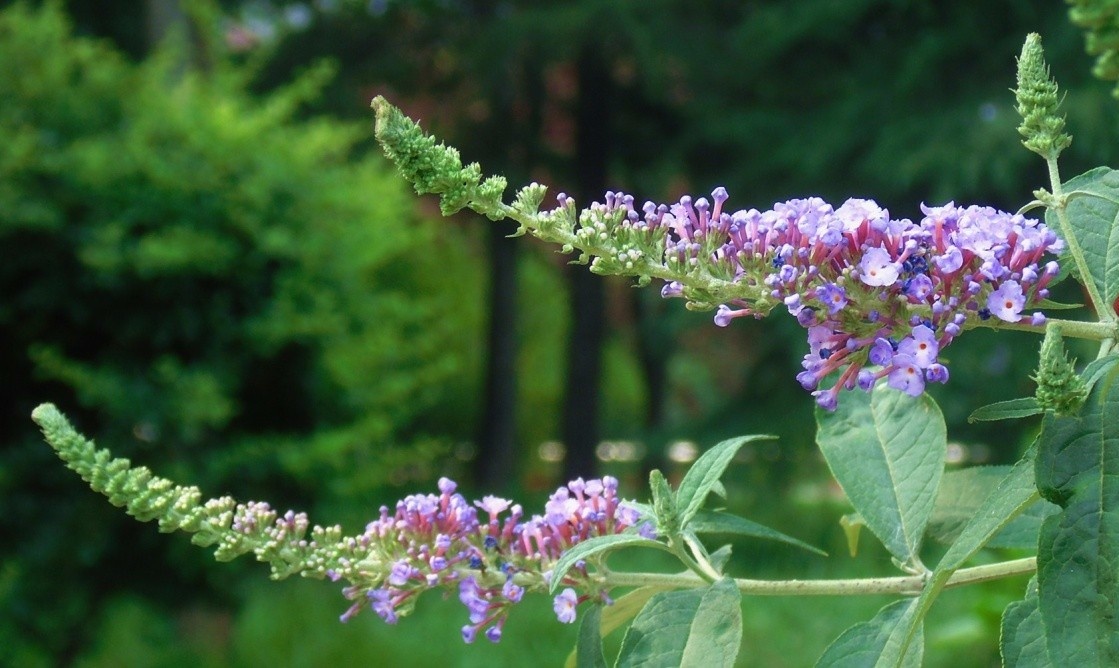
597, 546
877, 643
695, 627
1093, 215
703, 477
886, 449
588, 648
1023, 636
1006, 410
1097, 369
1014, 492
1078, 550
723, 524
963, 492
616, 615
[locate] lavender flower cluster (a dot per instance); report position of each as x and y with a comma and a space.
486, 552
879, 296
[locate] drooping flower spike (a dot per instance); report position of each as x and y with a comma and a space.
441, 541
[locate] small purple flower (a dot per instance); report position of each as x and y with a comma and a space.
493, 633
1007, 302
564, 605
401, 572
827, 399
921, 346
469, 633
919, 287
866, 379
950, 261
512, 592
936, 373
906, 376
881, 352
724, 316
493, 505
833, 296
381, 603
877, 268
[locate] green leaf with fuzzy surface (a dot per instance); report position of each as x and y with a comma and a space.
886, 449
588, 650
1023, 637
1006, 410
962, 493
703, 477
595, 547
711, 522
694, 627
1093, 214
1078, 549
878, 642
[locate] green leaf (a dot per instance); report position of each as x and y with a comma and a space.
616, 615
1006, 410
1093, 215
852, 525
1014, 492
877, 642
599, 545
588, 650
703, 476
1097, 369
665, 509
961, 494
711, 522
1050, 305
1078, 549
1023, 636
695, 627
886, 449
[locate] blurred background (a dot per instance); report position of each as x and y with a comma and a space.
210, 268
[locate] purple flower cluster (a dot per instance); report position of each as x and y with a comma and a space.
879, 296
483, 551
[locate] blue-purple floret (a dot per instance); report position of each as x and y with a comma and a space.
854, 276
487, 551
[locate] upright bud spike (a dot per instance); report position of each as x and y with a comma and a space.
1059, 387
1042, 128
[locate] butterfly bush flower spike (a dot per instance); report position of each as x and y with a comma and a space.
880, 297
487, 552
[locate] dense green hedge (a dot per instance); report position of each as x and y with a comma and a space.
213, 285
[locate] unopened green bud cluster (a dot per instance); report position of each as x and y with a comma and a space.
1059, 388
1042, 128
281, 541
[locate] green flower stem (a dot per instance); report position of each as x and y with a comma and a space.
699, 563
909, 585
1077, 329
1059, 207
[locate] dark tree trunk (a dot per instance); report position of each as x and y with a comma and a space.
162, 16
580, 421
496, 465
498, 430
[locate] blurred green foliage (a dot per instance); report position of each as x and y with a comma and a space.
240, 298
230, 289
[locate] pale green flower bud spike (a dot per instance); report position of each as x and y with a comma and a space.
1059, 388
1042, 128
281, 541
599, 235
